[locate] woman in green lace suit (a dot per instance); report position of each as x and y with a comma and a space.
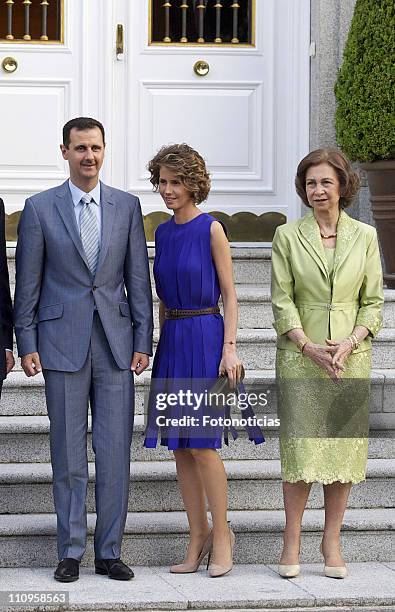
327, 298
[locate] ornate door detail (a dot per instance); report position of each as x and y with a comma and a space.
31, 21
230, 78
218, 22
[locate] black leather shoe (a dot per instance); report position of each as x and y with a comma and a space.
113, 568
68, 570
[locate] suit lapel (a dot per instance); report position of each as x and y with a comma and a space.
309, 233
347, 233
108, 216
65, 206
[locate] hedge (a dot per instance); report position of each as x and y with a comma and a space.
365, 86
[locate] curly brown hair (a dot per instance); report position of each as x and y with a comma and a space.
187, 165
348, 179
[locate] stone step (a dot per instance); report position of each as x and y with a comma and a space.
256, 348
255, 310
253, 485
160, 538
255, 307
25, 396
368, 588
251, 266
25, 439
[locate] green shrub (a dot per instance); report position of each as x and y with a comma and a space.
365, 87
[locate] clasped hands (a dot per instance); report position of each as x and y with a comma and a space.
331, 357
31, 363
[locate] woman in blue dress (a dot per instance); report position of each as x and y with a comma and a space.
192, 269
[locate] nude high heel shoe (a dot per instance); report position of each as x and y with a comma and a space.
191, 568
334, 571
215, 570
289, 570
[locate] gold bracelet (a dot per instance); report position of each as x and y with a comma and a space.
301, 343
356, 341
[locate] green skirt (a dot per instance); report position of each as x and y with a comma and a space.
323, 425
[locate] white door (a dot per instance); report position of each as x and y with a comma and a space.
43, 85
248, 116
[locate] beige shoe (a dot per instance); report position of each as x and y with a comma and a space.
286, 570
289, 571
191, 568
334, 571
215, 570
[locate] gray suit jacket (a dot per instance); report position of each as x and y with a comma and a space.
55, 292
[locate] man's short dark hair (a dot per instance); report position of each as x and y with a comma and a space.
81, 123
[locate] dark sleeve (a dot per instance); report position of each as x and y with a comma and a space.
5, 296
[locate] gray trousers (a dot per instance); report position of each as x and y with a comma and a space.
110, 392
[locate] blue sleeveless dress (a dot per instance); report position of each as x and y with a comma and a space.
189, 349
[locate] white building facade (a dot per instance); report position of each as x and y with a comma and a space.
232, 78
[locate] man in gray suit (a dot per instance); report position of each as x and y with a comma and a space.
83, 316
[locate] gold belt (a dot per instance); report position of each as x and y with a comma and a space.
175, 313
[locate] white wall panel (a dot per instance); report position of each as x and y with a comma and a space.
30, 128
36, 101
227, 116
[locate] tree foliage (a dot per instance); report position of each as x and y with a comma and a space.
365, 86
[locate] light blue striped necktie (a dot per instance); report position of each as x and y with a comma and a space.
89, 231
